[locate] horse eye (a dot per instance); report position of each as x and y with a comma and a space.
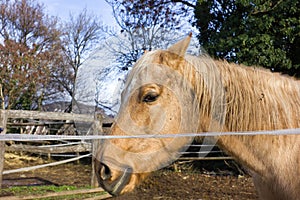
151, 97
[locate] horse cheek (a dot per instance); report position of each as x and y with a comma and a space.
139, 113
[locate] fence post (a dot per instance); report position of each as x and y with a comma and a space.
97, 128
3, 120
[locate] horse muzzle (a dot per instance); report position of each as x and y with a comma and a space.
113, 181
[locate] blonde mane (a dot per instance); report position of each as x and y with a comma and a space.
241, 98
258, 99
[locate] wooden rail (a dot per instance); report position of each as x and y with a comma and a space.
74, 148
58, 116
103, 194
26, 114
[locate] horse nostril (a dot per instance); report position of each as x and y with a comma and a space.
105, 172
113, 181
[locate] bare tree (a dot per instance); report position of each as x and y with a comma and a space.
147, 24
81, 35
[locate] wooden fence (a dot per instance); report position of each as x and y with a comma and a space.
35, 118
94, 127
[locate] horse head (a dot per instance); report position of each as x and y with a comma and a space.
158, 98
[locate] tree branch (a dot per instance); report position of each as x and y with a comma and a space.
266, 11
187, 3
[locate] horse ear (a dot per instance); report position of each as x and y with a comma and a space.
180, 47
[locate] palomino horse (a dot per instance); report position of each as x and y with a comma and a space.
168, 92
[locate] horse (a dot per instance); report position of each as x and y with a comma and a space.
172, 92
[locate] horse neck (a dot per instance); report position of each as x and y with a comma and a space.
258, 100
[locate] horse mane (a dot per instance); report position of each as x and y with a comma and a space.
237, 97
228, 96
258, 99
255, 98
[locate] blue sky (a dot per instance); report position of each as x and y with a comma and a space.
62, 8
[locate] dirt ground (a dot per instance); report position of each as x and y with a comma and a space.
163, 184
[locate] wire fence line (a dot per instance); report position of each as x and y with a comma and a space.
95, 134
45, 165
25, 137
